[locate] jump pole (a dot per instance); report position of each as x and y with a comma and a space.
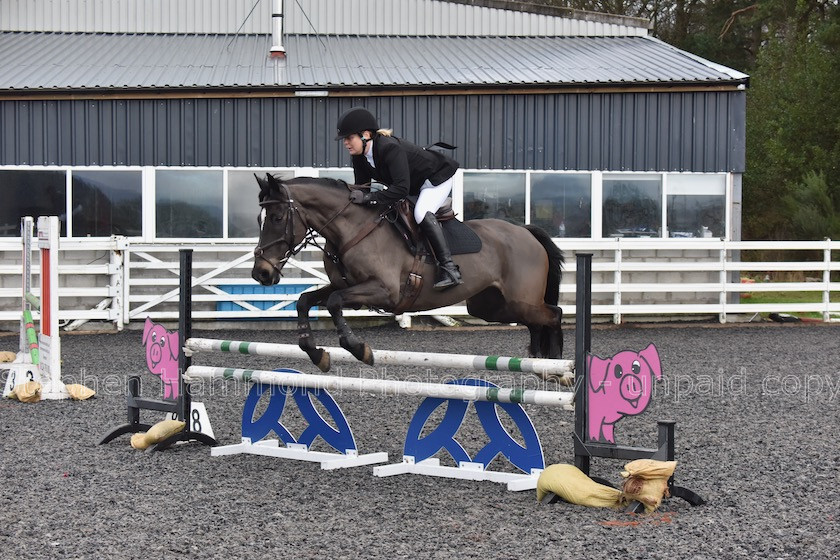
383, 386
541, 366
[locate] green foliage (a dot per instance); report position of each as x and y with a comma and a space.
791, 49
813, 208
793, 130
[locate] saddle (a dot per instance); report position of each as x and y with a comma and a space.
407, 226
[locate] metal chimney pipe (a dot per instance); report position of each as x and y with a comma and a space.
277, 48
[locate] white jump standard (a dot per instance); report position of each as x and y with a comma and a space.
39, 361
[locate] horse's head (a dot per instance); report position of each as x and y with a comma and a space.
282, 230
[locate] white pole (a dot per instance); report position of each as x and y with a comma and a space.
541, 366
26, 224
49, 343
383, 386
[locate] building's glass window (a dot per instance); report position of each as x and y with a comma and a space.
696, 205
561, 203
31, 193
494, 195
107, 203
632, 205
188, 203
345, 175
243, 200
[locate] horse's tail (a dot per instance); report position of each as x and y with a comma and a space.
555, 264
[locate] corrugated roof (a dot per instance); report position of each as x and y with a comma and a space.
81, 61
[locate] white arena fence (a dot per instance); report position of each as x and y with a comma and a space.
121, 281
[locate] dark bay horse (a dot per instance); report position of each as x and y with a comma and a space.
515, 278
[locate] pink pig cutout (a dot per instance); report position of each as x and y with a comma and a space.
619, 386
162, 356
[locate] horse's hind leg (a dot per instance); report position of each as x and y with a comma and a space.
306, 340
551, 337
535, 345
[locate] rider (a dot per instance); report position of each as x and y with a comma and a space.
404, 169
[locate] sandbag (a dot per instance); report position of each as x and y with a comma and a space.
646, 480
28, 392
573, 486
157, 433
79, 392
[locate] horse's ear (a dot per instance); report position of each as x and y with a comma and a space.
263, 186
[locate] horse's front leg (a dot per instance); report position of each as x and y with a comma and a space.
371, 293
306, 340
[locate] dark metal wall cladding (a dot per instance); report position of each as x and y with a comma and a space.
693, 131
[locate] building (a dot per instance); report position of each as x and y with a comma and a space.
148, 118
120, 115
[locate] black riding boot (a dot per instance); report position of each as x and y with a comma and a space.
448, 274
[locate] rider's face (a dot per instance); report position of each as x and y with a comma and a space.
354, 145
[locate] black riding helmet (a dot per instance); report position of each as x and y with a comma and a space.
354, 121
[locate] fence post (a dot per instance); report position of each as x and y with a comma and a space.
722, 315
617, 280
827, 280
118, 286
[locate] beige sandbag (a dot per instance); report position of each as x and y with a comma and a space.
157, 433
28, 392
646, 480
573, 486
6, 356
79, 392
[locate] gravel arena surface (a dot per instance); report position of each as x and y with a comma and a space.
757, 410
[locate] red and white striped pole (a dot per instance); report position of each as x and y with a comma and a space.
49, 233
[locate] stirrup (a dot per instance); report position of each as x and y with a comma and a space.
448, 278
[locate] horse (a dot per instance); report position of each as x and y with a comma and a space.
514, 278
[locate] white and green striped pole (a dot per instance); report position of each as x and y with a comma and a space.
383, 386
541, 366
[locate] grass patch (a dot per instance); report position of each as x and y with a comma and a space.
791, 297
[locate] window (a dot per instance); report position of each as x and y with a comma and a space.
561, 203
243, 198
188, 203
31, 193
345, 175
107, 203
494, 195
632, 205
696, 205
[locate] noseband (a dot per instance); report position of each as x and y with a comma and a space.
288, 237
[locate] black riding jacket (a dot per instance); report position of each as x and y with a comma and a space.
403, 167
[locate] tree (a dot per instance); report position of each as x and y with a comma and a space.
793, 125
791, 50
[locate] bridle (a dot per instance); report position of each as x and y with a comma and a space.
288, 237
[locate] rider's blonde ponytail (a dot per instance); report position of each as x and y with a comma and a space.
385, 132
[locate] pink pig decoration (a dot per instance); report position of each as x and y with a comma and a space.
162, 356
619, 386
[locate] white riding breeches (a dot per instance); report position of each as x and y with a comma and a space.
432, 197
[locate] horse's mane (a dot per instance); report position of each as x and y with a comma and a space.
318, 181
268, 190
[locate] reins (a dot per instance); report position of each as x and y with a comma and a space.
310, 235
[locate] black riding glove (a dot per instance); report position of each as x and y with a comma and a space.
361, 197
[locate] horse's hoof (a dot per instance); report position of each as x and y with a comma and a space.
367, 355
324, 361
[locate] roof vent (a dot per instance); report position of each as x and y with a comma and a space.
277, 48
